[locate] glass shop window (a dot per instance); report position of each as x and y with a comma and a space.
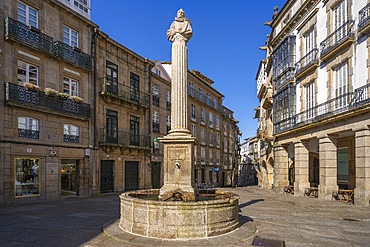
27, 174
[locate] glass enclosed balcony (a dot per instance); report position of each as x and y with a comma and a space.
38, 101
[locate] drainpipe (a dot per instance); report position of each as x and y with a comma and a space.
94, 40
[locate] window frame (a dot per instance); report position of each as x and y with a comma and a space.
68, 35
27, 15
72, 88
27, 71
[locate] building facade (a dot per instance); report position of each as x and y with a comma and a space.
320, 78
249, 160
46, 102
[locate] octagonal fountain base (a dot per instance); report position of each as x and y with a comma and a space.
210, 215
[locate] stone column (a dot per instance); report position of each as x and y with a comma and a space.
281, 168
178, 144
179, 86
301, 168
362, 161
328, 168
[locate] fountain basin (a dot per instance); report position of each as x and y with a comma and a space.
203, 218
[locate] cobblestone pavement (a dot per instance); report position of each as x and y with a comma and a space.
92, 222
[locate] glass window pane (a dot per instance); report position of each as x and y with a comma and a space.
27, 172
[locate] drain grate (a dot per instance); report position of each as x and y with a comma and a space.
257, 241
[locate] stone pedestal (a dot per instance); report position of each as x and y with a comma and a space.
178, 166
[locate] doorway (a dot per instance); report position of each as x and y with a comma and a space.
106, 176
156, 175
131, 175
69, 176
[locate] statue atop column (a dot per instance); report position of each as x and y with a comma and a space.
180, 28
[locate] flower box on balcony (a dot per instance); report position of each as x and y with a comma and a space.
31, 86
77, 99
63, 95
50, 92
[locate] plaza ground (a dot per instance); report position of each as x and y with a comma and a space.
264, 215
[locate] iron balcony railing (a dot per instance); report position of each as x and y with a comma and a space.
123, 139
71, 138
307, 60
364, 16
72, 55
337, 37
27, 133
37, 100
339, 105
34, 38
199, 96
29, 36
125, 93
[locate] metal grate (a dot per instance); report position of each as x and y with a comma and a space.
257, 241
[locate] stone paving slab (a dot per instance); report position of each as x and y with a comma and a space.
93, 222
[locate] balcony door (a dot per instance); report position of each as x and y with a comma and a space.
112, 127
134, 131
340, 13
341, 86
112, 78
134, 87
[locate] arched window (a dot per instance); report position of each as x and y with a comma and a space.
71, 133
28, 127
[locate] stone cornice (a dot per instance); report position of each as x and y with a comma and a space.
303, 11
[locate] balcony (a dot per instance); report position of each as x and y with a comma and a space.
34, 38
307, 64
123, 139
364, 20
195, 94
346, 103
37, 100
29, 36
71, 138
121, 94
267, 99
72, 55
337, 41
27, 133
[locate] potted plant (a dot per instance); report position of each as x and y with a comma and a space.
63, 95
50, 92
77, 99
31, 86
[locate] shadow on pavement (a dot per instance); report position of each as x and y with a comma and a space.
246, 204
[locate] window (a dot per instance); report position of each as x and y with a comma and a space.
111, 78
218, 140
225, 128
71, 133
158, 72
155, 94
168, 123
168, 100
211, 138
27, 73
341, 86
209, 99
193, 130
340, 13
202, 116
70, 86
27, 15
112, 127
215, 103
191, 88
81, 4
309, 41
202, 136
134, 87
217, 122
210, 155
211, 119
155, 122
28, 127
200, 91
202, 154
134, 131
310, 100
27, 172
70, 36
193, 109
218, 157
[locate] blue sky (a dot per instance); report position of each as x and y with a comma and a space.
224, 46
